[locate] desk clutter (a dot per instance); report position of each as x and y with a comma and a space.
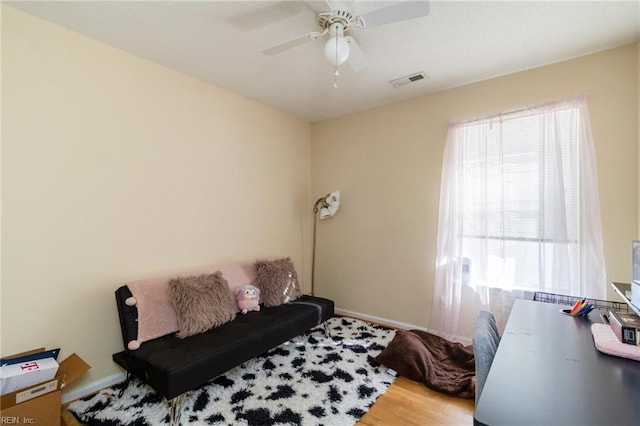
620, 337
580, 309
607, 342
626, 327
576, 302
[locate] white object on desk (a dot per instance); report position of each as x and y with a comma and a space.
626, 296
635, 293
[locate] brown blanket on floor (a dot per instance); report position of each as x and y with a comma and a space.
442, 365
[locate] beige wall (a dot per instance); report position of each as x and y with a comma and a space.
377, 255
115, 169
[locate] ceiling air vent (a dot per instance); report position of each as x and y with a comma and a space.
408, 79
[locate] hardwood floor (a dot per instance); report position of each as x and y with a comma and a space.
405, 403
67, 419
408, 403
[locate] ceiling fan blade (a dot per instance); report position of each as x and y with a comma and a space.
344, 5
319, 6
400, 11
279, 48
357, 59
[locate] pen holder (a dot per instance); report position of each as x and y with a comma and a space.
580, 309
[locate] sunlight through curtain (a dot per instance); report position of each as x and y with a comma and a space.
519, 213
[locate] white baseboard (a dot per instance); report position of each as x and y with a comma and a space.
383, 321
93, 387
394, 324
113, 379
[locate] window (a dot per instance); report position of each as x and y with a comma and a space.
519, 206
515, 180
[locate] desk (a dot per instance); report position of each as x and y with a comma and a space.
547, 371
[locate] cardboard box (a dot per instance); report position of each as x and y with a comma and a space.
40, 404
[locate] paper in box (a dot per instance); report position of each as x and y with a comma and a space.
40, 404
19, 376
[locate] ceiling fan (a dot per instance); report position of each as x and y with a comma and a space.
339, 17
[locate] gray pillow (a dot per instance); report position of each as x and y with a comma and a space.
277, 281
202, 302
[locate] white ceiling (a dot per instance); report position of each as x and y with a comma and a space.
456, 43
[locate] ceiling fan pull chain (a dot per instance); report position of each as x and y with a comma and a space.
336, 74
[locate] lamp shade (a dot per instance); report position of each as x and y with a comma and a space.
336, 50
330, 205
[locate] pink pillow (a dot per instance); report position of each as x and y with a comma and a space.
607, 342
238, 275
156, 314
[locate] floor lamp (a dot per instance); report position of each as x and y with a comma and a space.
324, 207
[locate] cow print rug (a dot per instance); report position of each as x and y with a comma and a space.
309, 380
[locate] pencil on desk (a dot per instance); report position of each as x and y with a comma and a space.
574, 308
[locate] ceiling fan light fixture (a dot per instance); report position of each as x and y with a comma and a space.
336, 50
335, 22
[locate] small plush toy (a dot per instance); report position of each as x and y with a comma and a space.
248, 298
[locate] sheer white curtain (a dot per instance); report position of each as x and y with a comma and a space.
519, 213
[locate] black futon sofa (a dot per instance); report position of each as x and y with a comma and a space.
172, 366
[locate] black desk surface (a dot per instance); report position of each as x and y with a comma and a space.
547, 371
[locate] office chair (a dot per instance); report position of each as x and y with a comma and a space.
485, 344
